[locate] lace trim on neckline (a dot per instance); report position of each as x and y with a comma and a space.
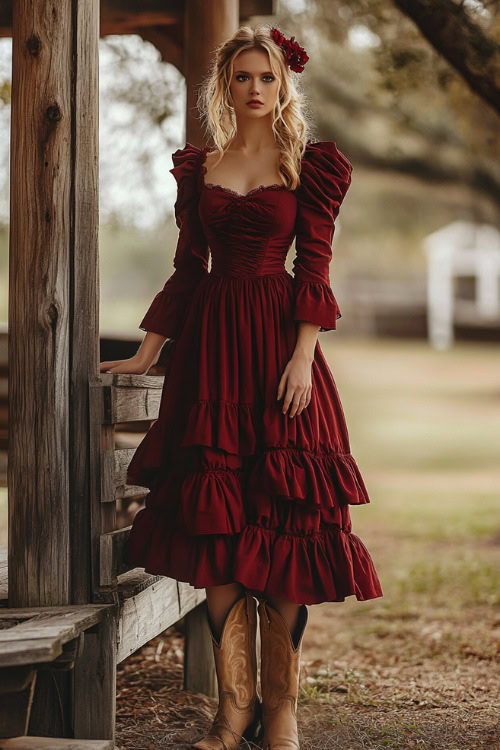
274, 186
216, 186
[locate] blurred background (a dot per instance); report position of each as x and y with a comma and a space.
409, 92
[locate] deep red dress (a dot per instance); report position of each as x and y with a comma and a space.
240, 491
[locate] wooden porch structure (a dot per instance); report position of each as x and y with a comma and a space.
70, 610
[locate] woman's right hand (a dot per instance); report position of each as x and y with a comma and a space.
132, 366
146, 356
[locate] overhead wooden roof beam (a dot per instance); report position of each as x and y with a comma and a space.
131, 16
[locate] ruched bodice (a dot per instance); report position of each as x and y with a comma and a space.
248, 235
239, 490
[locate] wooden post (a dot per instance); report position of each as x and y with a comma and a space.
94, 705
53, 298
207, 23
199, 665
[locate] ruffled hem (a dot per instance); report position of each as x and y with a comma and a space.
328, 480
285, 488
228, 425
316, 303
327, 565
205, 490
292, 472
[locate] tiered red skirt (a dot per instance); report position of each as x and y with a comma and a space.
240, 491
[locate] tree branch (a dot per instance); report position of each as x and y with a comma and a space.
462, 43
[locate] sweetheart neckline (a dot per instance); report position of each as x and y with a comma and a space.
230, 191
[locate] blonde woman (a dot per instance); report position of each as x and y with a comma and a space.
249, 464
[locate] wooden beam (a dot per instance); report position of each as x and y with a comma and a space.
151, 611
84, 281
121, 461
112, 550
94, 704
53, 310
199, 666
131, 16
166, 42
207, 23
131, 404
53, 743
43, 634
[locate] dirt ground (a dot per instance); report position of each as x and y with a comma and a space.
417, 668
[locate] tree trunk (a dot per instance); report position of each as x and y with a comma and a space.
462, 43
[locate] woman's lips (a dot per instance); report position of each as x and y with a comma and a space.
254, 104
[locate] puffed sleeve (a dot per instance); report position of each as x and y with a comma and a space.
324, 181
167, 312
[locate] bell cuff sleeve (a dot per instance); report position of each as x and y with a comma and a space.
168, 310
324, 181
315, 303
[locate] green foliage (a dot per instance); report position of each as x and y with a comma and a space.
392, 96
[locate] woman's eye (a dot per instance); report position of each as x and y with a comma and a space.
242, 75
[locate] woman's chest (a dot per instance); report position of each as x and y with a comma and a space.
264, 211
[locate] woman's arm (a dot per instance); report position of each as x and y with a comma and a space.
296, 381
167, 312
325, 179
145, 357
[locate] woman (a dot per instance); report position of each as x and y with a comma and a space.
249, 464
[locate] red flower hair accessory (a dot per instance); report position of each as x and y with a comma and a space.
295, 55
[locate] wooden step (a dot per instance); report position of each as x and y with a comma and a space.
149, 605
54, 743
37, 635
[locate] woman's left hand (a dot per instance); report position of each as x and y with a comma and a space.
296, 383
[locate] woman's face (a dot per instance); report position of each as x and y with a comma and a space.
252, 79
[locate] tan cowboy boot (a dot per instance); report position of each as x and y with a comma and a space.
238, 713
279, 677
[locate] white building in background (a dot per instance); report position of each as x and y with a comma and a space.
461, 249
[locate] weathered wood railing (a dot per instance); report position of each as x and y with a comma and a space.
148, 603
115, 400
129, 608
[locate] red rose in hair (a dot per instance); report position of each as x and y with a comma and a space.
278, 37
295, 55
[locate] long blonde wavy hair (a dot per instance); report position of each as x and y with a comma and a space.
290, 123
